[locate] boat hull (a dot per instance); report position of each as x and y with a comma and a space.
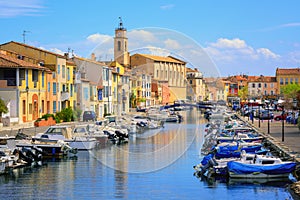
258, 175
82, 145
238, 169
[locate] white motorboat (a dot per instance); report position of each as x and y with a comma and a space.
64, 133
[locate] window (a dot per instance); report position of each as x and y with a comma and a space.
272, 85
266, 85
265, 92
71, 90
58, 69
119, 46
296, 80
68, 73
49, 86
286, 81
253, 85
43, 106
43, 79
54, 89
63, 71
157, 73
24, 107
272, 93
54, 106
281, 81
291, 80
86, 93
191, 82
53, 75
259, 85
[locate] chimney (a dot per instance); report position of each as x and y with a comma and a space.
93, 57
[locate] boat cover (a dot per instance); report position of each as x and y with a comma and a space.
243, 168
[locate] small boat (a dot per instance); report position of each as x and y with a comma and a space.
64, 133
260, 166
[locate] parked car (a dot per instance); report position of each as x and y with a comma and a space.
266, 115
280, 117
89, 115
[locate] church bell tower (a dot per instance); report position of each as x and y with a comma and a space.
121, 54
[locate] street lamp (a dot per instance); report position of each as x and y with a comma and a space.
27, 105
267, 103
282, 120
259, 115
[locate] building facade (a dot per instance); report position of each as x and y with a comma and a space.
23, 88
287, 76
168, 69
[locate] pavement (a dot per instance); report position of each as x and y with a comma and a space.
289, 139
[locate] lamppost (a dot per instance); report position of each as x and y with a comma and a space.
267, 104
259, 115
282, 120
27, 105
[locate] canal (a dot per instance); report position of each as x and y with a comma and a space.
155, 165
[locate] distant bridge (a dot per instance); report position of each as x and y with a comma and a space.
197, 105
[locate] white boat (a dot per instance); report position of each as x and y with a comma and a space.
64, 133
260, 166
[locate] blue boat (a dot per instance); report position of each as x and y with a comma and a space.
260, 166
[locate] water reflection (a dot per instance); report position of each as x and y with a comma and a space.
154, 149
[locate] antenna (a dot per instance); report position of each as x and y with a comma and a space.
24, 35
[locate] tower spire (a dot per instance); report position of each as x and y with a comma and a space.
120, 24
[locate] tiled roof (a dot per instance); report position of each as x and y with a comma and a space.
11, 62
163, 59
291, 71
32, 47
261, 79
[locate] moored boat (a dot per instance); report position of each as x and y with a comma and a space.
260, 166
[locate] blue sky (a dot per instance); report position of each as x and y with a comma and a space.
250, 37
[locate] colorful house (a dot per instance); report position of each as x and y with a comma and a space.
53, 61
23, 87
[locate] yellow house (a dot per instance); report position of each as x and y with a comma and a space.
120, 88
57, 82
23, 87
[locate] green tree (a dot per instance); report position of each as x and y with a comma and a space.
290, 90
243, 93
3, 108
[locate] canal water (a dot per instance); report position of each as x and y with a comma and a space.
155, 165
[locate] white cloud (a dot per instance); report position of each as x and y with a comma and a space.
58, 51
171, 44
286, 25
20, 8
267, 53
167, 7
237, 49
98, 38
227, 43
141, 36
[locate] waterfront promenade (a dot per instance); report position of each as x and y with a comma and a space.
291, 134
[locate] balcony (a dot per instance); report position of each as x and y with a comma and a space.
65, 96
